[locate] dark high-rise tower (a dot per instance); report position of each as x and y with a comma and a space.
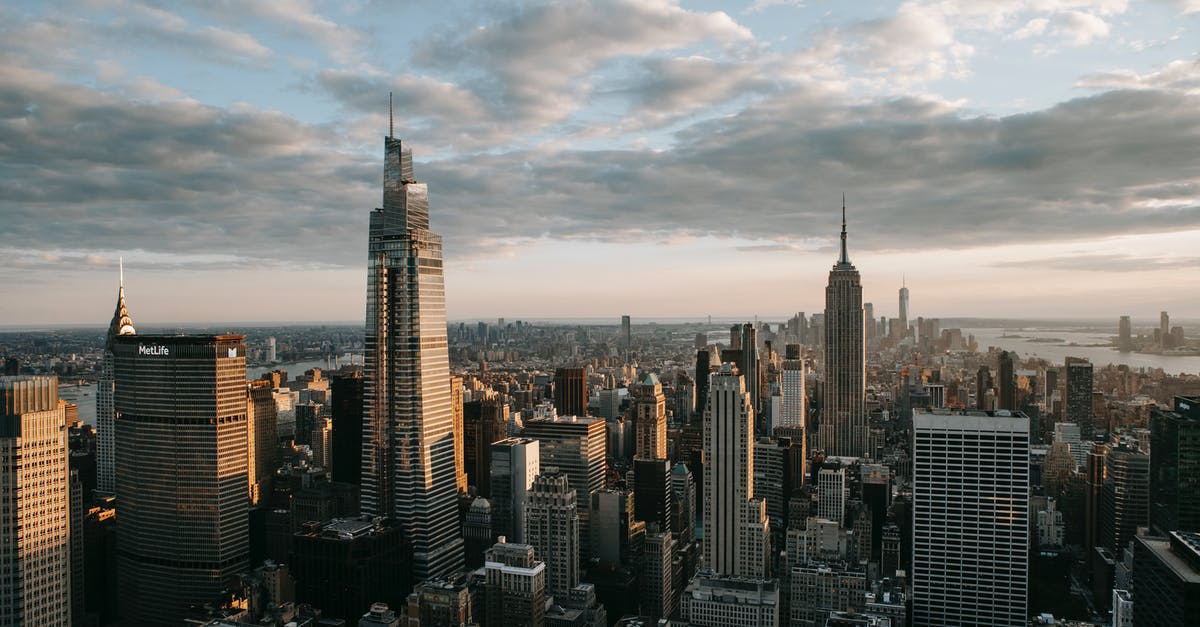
843, 418
703, 368
121, 324
570, 391
1079, 396
181, 471
1175, 467
903, 310
408, 461
1125, 335
1008, 381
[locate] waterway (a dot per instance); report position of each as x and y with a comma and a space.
1077, 343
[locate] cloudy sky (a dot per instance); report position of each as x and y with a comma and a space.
657, 158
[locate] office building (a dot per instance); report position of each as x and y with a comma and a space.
651, 419
818, 589
1175, 466
345, 564
1095, 473
778, 473
182, 527
626, 332
652, 494
477, 531
456, 406
970, 518
793, 397
380, 615
552, 529
262, 438
515, 588
484, 421
574, 445
1166, 574
730, 534
440, 602
346, 410
657, 579
747, 364
570, 391
843, 423
1164, 330
712, 600
832, 492
1070, 434
1079, 397
903, 311
876, 480
683, 493
703, 370
616, 535
35, 504
515, 464
983, 388
1124, 335
121, 324
408, 456
1124, 499
1007, 397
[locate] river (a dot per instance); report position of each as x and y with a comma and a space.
1057, 352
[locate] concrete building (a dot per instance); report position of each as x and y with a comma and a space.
439, 602
657, 579
182, 527
1078, 400
651, 419
35, 504
832, 492
970, 518
515, 589
570, 391
552, 529
408, 460
818, 589
712, 600
1124, 498
728, 477
574, 445
515, 464
617, 535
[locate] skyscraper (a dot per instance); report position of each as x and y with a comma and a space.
703, 369
1124, 335
1164, 330
35, 564
970, 519
626, 332
261, 438
575, 446
1079, 397
843, 429
515, 464
903, 310
1124, 499
515, 589
346, 400
570, 391
1008, 381
552, 529
651, 419
729, 503
181, 471
408, 455
121, 324
793, 397
1175, 467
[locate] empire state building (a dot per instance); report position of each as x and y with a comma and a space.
408, 457
843, 428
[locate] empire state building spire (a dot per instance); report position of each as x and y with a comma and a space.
845, 258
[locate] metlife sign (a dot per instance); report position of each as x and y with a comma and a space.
154, 349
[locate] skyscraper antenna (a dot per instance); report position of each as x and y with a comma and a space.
391, 119
121, 266
845, 258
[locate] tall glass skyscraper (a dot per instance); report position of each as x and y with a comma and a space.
408, 465
121, 324
843, 430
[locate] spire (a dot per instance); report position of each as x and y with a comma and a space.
391, 118
121, 323
845, 258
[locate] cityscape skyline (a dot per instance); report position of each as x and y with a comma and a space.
1055, 138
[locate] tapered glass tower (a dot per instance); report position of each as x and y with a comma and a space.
843, 429
408, 464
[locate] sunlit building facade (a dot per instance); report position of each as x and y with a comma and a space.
409, 469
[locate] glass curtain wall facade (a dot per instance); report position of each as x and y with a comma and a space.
408, 461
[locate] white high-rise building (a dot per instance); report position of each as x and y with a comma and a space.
843, 431
35, 504
970, 518
1069, 433
793, 399
733, 518
516, 463
121, 324
409, 470
832, 491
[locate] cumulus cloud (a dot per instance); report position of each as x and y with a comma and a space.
1181, 74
